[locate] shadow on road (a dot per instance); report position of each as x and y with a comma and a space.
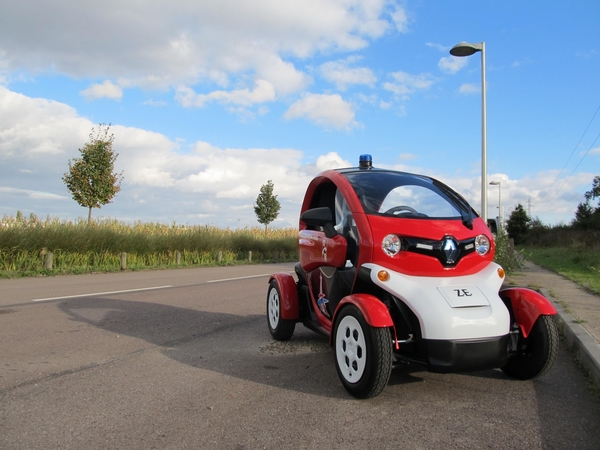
237, 346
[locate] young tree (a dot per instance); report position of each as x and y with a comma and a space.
90, 178
583, 214
518, 224
267, 206
594, 193
587, 216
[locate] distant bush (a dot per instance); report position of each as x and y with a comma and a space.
506, 255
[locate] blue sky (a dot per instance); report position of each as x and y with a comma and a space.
210, 100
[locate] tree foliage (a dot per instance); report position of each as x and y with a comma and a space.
267, 206
594, 193
518, 224
587, 216
90, 178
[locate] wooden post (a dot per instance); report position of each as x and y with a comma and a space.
250, 256
49, 258
177, 258
276, 255
220, 257
123, 261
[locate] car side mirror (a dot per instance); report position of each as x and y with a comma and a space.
320, 217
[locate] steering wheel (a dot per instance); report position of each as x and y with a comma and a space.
397, 209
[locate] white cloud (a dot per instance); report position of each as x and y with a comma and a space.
157, 103
342, 75
182, 43
521, 62
405, 84
163, 182
408, 157
331, 161
203, 183
31, 128
438, 47
400, 19
323, 109
468, 88
452, 64
105, 90
262, 92
32, 194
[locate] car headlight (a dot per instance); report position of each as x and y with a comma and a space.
391, 245
482, 244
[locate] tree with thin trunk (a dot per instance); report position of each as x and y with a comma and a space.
91, 178
518, 224
587, 215
267, 206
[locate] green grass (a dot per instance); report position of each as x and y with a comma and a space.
580, 264
81, 248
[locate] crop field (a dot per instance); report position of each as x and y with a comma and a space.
77, 247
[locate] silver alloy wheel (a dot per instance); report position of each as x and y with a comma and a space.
273, 308
351, 349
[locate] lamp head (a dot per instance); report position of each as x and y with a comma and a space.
465, 49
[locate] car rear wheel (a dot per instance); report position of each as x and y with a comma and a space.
535, 355
363, 354
281, 329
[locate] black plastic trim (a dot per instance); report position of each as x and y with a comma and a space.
463, 247
470, 355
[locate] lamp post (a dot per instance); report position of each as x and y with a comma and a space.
500, 215
466, 49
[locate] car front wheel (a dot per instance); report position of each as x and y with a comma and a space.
534, 355
363, 354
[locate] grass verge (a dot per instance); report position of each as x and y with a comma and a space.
579, 264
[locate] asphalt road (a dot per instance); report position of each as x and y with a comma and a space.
182, 359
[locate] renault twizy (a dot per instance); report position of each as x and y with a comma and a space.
398, 268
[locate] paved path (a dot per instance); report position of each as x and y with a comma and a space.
578, 312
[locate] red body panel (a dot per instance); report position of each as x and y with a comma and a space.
375, 312
316, 250
419, 265
362, 223
289, 295
373, 228
527, 306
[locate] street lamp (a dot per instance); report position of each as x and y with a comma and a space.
466, 49
500, 215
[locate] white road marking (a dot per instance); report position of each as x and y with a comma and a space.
239, 278
100, 293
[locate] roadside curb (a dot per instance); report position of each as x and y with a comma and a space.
578, 339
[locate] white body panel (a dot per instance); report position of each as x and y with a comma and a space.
451, 308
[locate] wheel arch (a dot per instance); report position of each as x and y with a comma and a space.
376, 314
290, 309
527, 305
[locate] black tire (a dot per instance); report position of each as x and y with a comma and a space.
363, 354
280, 329
537, 353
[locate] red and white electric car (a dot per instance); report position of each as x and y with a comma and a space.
398, 268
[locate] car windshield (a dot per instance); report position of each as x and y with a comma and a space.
400, 194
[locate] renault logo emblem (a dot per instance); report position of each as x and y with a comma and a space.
450, 250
